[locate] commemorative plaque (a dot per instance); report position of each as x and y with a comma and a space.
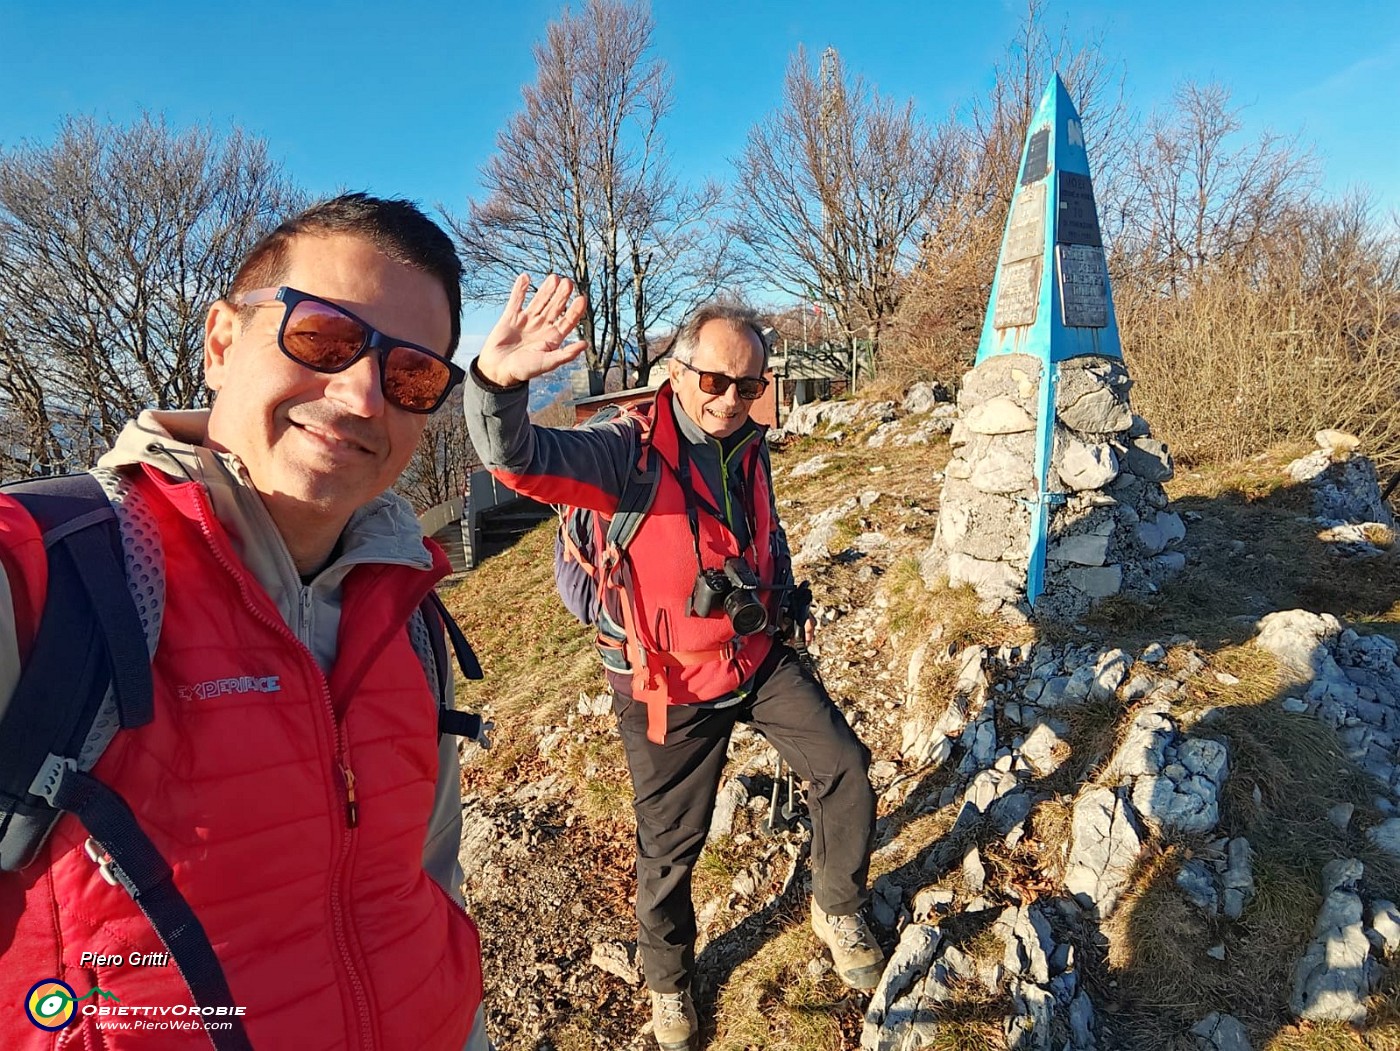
1037, 157
1083, 285
1025, 232
1018, 293
1078, 218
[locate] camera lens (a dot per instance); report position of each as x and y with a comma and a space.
746, 613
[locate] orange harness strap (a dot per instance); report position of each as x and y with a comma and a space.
656, 690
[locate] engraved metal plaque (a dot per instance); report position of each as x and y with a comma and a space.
1018, 294
1025, 234
1083, 285
1078, 218
1037, 157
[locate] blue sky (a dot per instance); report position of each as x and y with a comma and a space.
406, 98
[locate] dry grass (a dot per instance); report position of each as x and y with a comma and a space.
1049, 838
720, 862
1233, 367
774, 1003
537, 660
914, 838
1326, 1037
1157, 940
1094, 730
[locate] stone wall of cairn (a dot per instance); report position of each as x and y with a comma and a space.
1110, 530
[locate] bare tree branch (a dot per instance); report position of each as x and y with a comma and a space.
113, 241
580, 185
835, 190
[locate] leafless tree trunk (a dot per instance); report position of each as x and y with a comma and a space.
834, 191
579, 185
113, 241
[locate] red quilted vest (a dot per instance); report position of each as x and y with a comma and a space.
331, 935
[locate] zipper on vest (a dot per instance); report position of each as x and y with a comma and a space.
342, 940
352, 809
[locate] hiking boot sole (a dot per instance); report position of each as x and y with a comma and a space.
865, 979
684, 1045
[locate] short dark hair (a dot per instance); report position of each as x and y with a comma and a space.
688, 335
396, 227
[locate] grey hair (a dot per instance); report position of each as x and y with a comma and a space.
688, 336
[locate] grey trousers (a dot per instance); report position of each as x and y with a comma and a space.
674, 787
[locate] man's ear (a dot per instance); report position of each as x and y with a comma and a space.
219, 326
674, 369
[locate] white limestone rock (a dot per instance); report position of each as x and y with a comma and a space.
1002, 469
907, 966
1109, 672
1104, 848
1333, 978
1384, 930
924, 397
991, 580
1220, 1032
998, 416
1085, 465
1094, 581
1386, 836
1044, 748
1083, 550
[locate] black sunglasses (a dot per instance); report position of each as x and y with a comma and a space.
750, 387
328, 338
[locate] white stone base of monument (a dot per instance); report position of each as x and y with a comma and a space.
1110, 532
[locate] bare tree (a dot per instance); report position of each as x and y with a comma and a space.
1201, 198
678, 256
443, 460
113, 241
834, 191
580, 185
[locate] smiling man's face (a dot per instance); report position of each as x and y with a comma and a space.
318, 446
720, 346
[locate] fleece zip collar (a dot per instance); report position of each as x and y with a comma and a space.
384, 532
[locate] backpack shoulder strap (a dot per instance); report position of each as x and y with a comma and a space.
639, 490
442, 628
89, 638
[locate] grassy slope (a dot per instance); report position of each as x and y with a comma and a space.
1151, 973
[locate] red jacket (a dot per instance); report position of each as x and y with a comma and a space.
330, 933
675, 658
678, 658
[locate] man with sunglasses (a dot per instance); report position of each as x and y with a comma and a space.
293, 775
686, 658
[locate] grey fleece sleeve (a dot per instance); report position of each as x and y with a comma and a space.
440, 849
583, 466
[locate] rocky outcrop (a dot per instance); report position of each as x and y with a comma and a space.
1348, 680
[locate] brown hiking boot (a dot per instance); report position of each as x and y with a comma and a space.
673, 1020
857, 955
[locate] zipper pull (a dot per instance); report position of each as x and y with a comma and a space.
352, 809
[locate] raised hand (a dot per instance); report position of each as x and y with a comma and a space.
528, 340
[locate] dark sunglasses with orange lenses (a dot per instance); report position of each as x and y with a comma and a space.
750, 388
328, 338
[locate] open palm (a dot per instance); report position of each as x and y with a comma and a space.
529, 339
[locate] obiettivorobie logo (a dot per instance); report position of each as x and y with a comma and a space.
52, 1005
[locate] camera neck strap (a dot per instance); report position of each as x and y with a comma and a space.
694, 502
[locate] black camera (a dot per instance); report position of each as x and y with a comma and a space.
735, 586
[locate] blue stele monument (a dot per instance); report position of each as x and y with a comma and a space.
1050, 296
